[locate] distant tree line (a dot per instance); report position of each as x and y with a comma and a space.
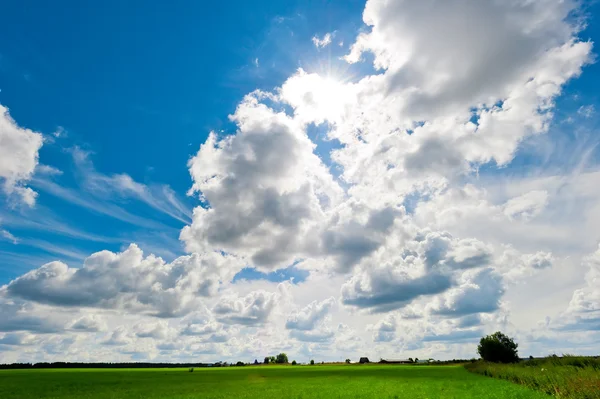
76, 365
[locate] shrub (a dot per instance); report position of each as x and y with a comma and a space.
293, 363
312, 362
498, 348
568, 377
191, 370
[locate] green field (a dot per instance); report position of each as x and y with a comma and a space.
265, 382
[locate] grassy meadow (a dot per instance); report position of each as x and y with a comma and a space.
567, 377
264, 382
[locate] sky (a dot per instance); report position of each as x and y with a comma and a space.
329, 179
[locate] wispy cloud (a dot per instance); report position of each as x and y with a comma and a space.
324, 41
75, 197
7, 235
160, 197
45, 220
587, 111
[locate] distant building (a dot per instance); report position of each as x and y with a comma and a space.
364, 360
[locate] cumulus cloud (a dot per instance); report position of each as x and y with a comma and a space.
19, 155
583, 312
479, 293
119, 337
385, 329
89, 323
22, 316
128, 280
428, 268
310, 324
264, 188
251, 310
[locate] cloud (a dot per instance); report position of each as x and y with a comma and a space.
587, 111
89, 323
479, 293
385, 329
129, 281
18, 158
119, 337
161, 198
428, 268
583, 311
264, 188
307, 318
322, 42
7, 235
251, 310
156, 330
21, 316
312, 336
526, 206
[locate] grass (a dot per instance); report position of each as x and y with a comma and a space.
289, 382
568, 377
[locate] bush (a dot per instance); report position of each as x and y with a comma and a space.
498, 348
293, 363
281, 358
312, 362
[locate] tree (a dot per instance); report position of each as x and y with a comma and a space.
281, 358
312, 362
347, 361
410, 359
498, 348
272, 359
255, 361
416, 360
293, 363
267, 359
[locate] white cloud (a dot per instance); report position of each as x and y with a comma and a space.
129, 281
587, 111
307, 318
88, 323
252, 310
322, 42
264, 188
526, 206
7, 235
18, 157
159, 197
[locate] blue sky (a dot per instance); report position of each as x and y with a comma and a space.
139, 86
383, 176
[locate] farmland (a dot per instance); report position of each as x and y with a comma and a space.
265, 382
